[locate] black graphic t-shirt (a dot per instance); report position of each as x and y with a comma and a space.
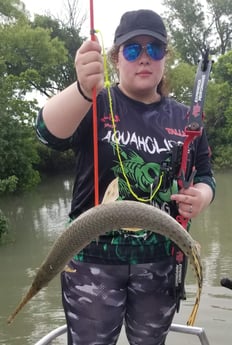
133, 146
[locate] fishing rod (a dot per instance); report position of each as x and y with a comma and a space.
195, 115
95, 127
192, 131
194, 126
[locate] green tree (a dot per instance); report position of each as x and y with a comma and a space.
194, 25
185, 21
29, 57
221, 17
33, 56
180, 77
4, 226
219, 111
17, 152
11, 10
64, 73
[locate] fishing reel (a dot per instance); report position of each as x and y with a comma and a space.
169, 168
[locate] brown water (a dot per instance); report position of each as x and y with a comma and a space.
38, 217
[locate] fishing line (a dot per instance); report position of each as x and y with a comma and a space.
95, 130
198, 272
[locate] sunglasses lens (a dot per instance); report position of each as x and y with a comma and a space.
132, 51
155, 50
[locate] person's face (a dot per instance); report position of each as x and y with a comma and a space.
138, 71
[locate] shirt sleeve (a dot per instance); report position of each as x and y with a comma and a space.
203, 164
209, 180
47, 138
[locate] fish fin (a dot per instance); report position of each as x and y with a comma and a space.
69, 269
198, 247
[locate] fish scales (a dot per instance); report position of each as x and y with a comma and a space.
101, 219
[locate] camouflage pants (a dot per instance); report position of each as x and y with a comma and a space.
97, 299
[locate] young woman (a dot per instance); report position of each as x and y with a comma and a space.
124, 276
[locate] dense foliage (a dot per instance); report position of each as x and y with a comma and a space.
36, 60
3, 226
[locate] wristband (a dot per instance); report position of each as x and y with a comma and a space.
82, 93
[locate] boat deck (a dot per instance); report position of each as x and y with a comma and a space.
189, 330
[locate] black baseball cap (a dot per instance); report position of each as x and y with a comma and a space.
141, 22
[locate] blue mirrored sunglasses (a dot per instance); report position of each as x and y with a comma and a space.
154, 50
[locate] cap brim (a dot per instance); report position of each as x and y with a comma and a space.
122, 39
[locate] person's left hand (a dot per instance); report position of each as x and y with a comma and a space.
190, 201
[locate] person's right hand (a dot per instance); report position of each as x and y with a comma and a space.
89, 67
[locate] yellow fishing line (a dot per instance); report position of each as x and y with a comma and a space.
107, 86
198, 271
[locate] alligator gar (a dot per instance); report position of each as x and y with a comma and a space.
101, 219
